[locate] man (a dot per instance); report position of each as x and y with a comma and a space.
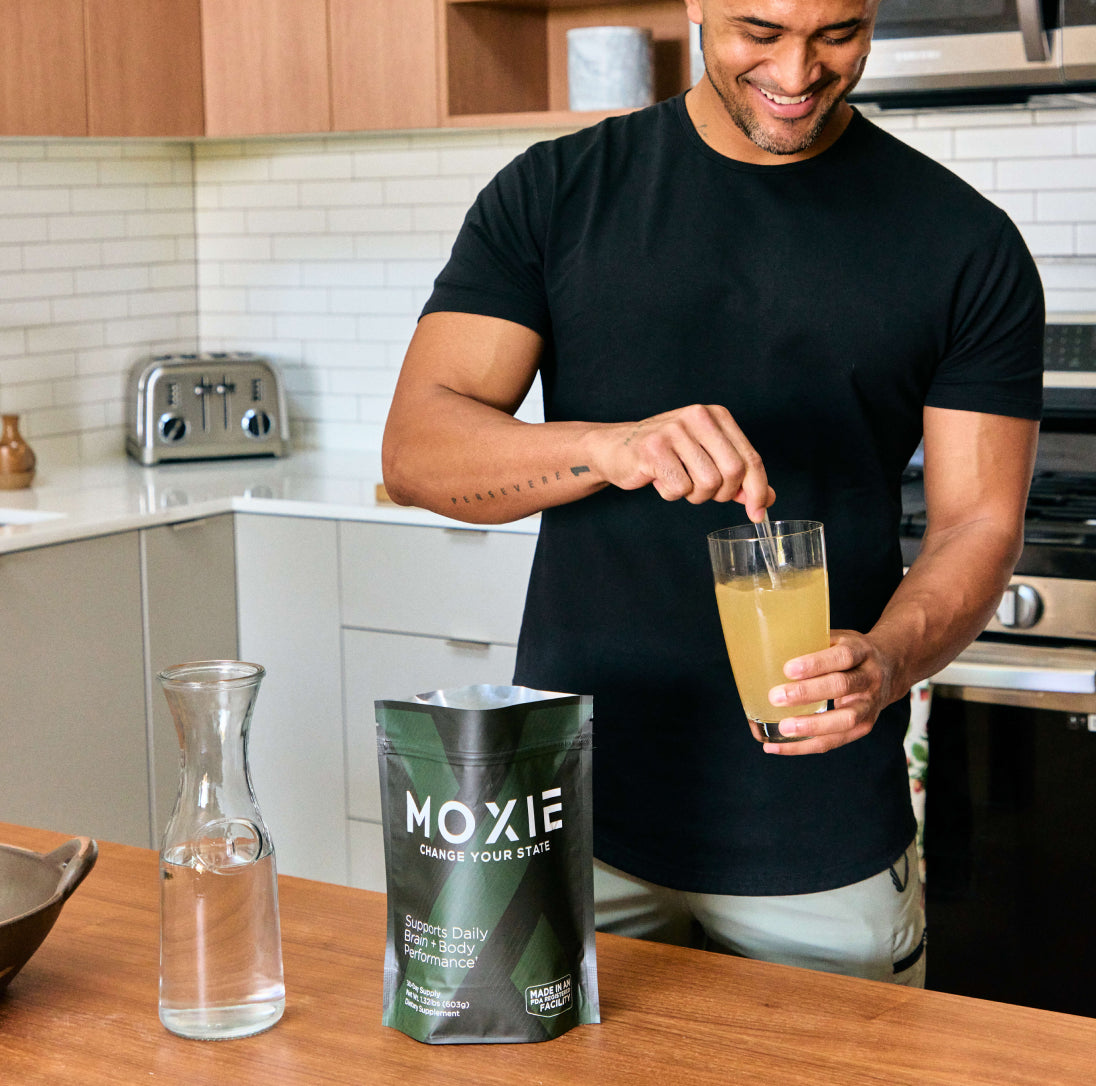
748, 294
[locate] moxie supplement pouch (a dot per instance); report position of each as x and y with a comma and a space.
486, 800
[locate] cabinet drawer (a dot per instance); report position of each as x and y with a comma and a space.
398, 666
367, 856
453, 583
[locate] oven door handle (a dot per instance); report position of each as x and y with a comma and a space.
1033, 30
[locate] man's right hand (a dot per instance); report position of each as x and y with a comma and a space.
698, 453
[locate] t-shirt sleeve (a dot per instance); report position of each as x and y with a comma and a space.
496, 267
994, 361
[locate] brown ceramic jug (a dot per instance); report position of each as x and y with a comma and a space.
17, 458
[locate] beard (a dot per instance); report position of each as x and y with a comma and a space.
790, 142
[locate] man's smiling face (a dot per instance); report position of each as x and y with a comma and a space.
783, 68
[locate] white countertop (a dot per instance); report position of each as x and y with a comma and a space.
119, 494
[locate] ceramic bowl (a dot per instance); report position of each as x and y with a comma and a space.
33, 887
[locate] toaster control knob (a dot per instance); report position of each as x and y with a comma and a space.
257, 423
1020, 608
173, 428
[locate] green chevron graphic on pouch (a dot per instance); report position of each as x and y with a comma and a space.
488, 854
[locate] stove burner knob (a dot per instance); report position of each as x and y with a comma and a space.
1020, 608
173, 428
257, 423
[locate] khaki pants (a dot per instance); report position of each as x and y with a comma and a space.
873, 929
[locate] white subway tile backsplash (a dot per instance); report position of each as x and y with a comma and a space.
163, 302
306, 326
171, 224
41, 368
24, 312
1045, 241
215, 251
89, 307
1019, 206
259, 194
139, 171
256, 273
149, 330
50, 338
23, 228
402, 247
320, 253
35, 201
75, 254
342, 273
12, 341
979, 173
234, 329
1073, 275
212, 221
341, 193
378, 301
282, 299
383, 162
429, 190
37, 284
1014, 142
56, 173
79, 227
370, 220
1047, 173
110, 198
1078, 205
319, 166
289, 221
155, 250
214, 299
309, 247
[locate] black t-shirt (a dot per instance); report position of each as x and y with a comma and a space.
824, 303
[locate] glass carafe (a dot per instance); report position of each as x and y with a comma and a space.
220, 939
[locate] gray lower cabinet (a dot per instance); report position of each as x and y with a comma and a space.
380, 665
340, 614
287, 589
422, 609
72, 692
189, 581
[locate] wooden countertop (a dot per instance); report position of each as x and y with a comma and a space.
84, 1010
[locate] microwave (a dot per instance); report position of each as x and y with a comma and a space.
942, 52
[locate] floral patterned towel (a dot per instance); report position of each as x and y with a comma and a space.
917, 759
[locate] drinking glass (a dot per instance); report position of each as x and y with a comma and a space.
773, 606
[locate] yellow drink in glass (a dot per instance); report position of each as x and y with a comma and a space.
770, 615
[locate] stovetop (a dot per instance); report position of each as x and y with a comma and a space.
1059, 523
1060, 519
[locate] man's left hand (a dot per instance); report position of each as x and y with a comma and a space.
853, 674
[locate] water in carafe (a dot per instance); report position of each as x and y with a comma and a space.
220, 940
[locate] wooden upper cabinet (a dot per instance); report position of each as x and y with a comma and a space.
144, 67
188, 68
265, 66
383, 64
42, 68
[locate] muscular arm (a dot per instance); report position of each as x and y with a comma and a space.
451, 443
977, 471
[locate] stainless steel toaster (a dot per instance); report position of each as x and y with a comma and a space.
197, 406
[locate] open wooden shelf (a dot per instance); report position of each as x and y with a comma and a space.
504, 62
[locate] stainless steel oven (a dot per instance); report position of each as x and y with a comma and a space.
1011, 792
979, 51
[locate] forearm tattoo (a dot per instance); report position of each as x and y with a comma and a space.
511, 489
